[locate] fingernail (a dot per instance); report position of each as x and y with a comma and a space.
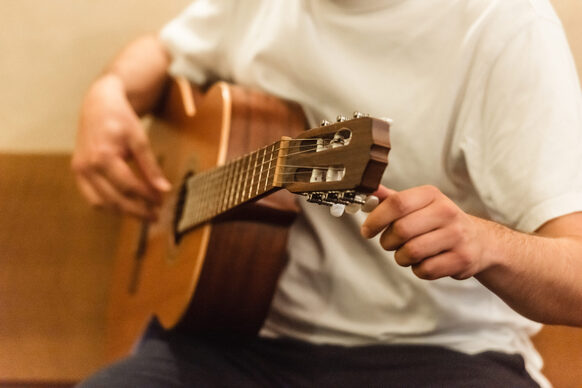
163, 184
365, 231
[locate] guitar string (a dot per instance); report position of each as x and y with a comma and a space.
233, 200
218, 172
239, 159
244, 183
222, 172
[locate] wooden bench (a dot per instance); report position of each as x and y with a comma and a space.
56, 256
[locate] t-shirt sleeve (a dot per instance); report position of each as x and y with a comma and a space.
528, 163
196, 40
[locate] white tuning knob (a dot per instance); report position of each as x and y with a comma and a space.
370, 203
337, 209
353, 208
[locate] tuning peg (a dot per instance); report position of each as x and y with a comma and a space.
370, 203
353, 208
325, 123
358, 115
337, 209
341, 118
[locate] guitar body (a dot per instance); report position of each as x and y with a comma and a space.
221, 275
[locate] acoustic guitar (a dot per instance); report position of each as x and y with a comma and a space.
211, 262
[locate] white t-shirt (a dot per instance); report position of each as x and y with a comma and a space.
486, 106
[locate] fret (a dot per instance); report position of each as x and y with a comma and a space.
245, 179
237, 185
207, 196
264, 149
199, 202
232, 186
204, 198
256, 157
269, 166
191, 203
246, 174
241, 182
213, 192
221, 190
254, 172
227, 187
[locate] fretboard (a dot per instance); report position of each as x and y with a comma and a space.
211, 193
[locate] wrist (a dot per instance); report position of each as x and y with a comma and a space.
495, 244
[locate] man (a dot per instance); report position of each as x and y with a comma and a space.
479, 232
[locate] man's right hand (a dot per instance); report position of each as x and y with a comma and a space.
110, 141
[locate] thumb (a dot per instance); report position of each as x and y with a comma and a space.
382, 192
147, 163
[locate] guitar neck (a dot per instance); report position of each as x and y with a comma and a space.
209, 194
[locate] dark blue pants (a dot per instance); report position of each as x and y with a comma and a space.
177, 359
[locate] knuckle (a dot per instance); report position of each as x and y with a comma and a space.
114, 126
397, 203
126, 189
400, 230
386, 241
448, 210
464, 257
401, 258
431, 190
129, 192
78, 166
140, 144
423, 272
462, 276
458, 231
100, 159
140, 141
413, 251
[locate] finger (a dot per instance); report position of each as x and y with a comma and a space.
120, 175
114, 200
425, 246
397, 205
90, 194
147, 163
411, 225
382, 192
440, 266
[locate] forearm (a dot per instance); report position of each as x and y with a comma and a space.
141, 70
538, 275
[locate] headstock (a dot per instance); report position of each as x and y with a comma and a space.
337, 163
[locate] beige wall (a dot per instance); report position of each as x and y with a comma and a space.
51, 50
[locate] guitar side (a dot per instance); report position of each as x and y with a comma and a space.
221, 276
